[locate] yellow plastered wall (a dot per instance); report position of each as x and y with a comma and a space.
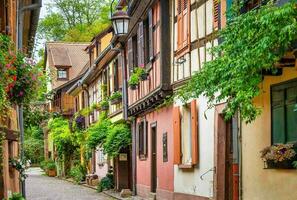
105, 41
259, 183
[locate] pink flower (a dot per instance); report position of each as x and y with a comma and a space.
21, 93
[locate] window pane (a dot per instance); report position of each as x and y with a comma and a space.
291, 123
278, 125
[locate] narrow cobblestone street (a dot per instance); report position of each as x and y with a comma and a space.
41, 187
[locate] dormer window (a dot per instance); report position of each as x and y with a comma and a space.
62, 74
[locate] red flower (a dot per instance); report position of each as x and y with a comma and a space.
14, 77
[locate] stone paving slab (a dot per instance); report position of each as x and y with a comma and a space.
41, 187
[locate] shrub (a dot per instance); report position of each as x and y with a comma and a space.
78, 173
16, 196
118, 137
134, 80
97, 133
106, 183
43, 164
50, 165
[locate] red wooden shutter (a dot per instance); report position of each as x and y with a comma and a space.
216, 13
179, 24
185, 23
130, 55
195, 133
140, 43
177, 136
151, 39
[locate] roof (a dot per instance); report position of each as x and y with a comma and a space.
63, 54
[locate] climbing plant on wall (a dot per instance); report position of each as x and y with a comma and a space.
251, 42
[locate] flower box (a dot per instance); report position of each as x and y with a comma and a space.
286, 164
115, 101
133, 87
104, 108
143, 76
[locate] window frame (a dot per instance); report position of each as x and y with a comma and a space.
63, 70
281, 86
142, 139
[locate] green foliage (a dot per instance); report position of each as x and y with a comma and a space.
134, 79
75, 21
119, 137
104, 104
115, 96
52, 27
78, 173
63, 139
251, 43
34, 150
50, 165
16, 196
106, 183
43, 164
97, 132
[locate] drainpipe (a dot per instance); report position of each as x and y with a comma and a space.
20, 16
236, 157
124, 91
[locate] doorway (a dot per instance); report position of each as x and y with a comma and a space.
224, 159
154, 158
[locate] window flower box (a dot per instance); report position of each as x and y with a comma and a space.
104, 105
115, 98
286, 164
279, 156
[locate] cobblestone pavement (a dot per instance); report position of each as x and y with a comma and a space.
41, 187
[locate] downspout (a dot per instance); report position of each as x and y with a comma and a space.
20, 16
236, 157
240, 159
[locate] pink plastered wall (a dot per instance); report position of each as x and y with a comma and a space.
165, 170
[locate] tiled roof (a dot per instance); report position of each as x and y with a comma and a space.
62, 54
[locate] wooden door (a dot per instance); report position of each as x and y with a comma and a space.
224, 160
154, 158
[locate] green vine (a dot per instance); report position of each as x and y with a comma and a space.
251, 42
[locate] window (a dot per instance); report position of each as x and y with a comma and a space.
284, 113
142, 138
185, 131
62, 74
101, 157
183, 26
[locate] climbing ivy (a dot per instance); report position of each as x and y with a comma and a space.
251, 42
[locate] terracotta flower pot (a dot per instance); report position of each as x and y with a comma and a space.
51, 173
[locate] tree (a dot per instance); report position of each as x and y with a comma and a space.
75, 20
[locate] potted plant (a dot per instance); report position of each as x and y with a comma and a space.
133, 81
51, 168
279, 156
104, 105
115, 98
142, 73
95, 106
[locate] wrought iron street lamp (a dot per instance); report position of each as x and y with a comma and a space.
120, 22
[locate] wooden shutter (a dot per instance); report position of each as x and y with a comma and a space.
140, 44
145, 134
179, 24
195, 133
216, 13
177, 136
120, 72
186, 25
151, 39
130, 55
